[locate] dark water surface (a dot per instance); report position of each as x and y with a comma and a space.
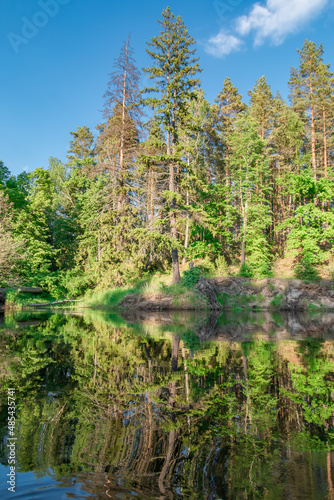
168, 406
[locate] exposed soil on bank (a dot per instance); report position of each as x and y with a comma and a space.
275, 294
235, 292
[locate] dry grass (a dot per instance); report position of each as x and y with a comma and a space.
326, 271
284, 268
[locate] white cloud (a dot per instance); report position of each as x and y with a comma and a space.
223, 44
276, 19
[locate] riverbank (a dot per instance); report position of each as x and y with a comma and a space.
220, 293
279, 294
237, 293
233, 293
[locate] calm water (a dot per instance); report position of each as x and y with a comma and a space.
169, 406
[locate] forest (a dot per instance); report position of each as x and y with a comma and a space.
172, 178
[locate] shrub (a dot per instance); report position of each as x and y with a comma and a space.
245, 271
306, 270
206, 266
276, 300
221, 266
191, 277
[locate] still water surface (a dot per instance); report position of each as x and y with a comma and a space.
169, 406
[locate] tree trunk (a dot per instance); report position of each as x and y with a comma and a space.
175, 255
120, 201
244, 228
314, 161
186, 239
175, 352
325, 138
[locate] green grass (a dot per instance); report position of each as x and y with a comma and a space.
176, 289
238, 302
18, 300
276, 301
110, 299
314, 307
107, 298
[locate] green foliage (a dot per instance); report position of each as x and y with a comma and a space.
211, 181
276, 300
108, 298
221, 267
12, 296
246, 271
191, 277
306, 269
224, 298
175, 289
311, 229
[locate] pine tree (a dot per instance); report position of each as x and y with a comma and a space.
325, 107
152, 178
286, 140
261, 106
34, 226
117, 147
305, 83
174, 69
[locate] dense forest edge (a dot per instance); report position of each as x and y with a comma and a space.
236, 191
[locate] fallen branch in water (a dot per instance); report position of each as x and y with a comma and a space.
53, 303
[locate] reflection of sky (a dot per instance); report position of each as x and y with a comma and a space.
30, 486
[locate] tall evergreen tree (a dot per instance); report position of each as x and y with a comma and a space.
305, 83
249, 164
122, 114
173, 70
261, 106
230, 104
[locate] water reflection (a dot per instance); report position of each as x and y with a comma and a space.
171, 406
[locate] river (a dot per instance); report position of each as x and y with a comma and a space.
167, 406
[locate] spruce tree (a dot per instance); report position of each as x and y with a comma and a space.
81, 150
230, 104
249, 163
122, 115
173, 70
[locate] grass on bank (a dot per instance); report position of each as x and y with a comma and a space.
15, 299
107, 298
155, 287
159, 284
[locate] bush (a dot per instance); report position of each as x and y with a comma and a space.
306, 270
245, 271
263, 271
191, 277
206, 266
12, 297
221, 266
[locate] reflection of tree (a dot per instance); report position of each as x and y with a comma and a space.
228, 421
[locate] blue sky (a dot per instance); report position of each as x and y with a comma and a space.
56, 56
